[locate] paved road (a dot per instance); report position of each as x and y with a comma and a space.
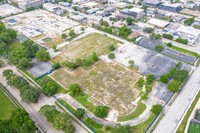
176, 112
33, 108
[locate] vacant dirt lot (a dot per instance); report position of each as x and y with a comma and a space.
84, 46
110, 84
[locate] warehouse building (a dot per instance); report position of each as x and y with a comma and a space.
133, 12
158, 23
151, 3
170, 7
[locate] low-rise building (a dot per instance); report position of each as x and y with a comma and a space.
170, 7
110, 9
90, 4
54, 8
189, 33
133, 35
136, 13
121, 4
93, 10
24, 4
158, 23
151, 3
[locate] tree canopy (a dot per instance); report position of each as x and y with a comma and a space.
150, 78
156, 109
79, 112
42, 55
159, 48
173, 85
30, 49
75, 89
49, 88
180, 75
101, 111
24, 63
121, 129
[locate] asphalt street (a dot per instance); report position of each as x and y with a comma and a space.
33, 108
174, 115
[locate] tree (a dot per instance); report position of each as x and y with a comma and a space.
140, 82
3, 46
82, 29
172, 70
1, 63
129, 20
29, 48
111, 55
79, 112
21, 122
79, 62
111, 47
49, 88
40, 6
101, 111
131, 62
63, 36
24, 63
156, 109
12, 33
31, 94
121, 129
14, 56
169, 44
168, 36
94, 56
144, 95
124, 31
150, 78
42, 55
107, 128
7, 73
54, 47
71, 33
144, 7
56, 66
180, 75
173, 85
164, 78
159, 48
75, 8
63, 122
155, 36
2, 27
49, 111
148, 30
5, 126
75, 89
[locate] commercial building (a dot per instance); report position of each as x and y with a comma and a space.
189, 33
151, 3
133, 12
24, 4
121, 4
158, 23
93, 10
110, 9
90, 4
170, 7
54, 8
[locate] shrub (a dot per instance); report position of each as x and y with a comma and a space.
101, 111
63, 36
159, 48
168, 36
169, 44
131, 62
184, 41
148, 30
70, 65
56, 66
79, 112
156, 109
112, 47
180, 75
140, 82
107, 128
111, 55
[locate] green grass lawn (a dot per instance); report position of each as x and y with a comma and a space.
138, 111
140, 128
14, 45
60, 88
67, 105
194, 128
84, 101
6, 106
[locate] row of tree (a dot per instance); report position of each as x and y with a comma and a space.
83, 62
28, 93
59, 120
19, 122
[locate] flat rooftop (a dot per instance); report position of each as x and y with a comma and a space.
136, 10
189, 30
158, 22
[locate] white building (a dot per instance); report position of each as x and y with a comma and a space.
24, 4
158, 22
136, 13
189, 33
90, 4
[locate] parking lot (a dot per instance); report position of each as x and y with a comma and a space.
39, 68
40, 25
7, 10
147, 61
